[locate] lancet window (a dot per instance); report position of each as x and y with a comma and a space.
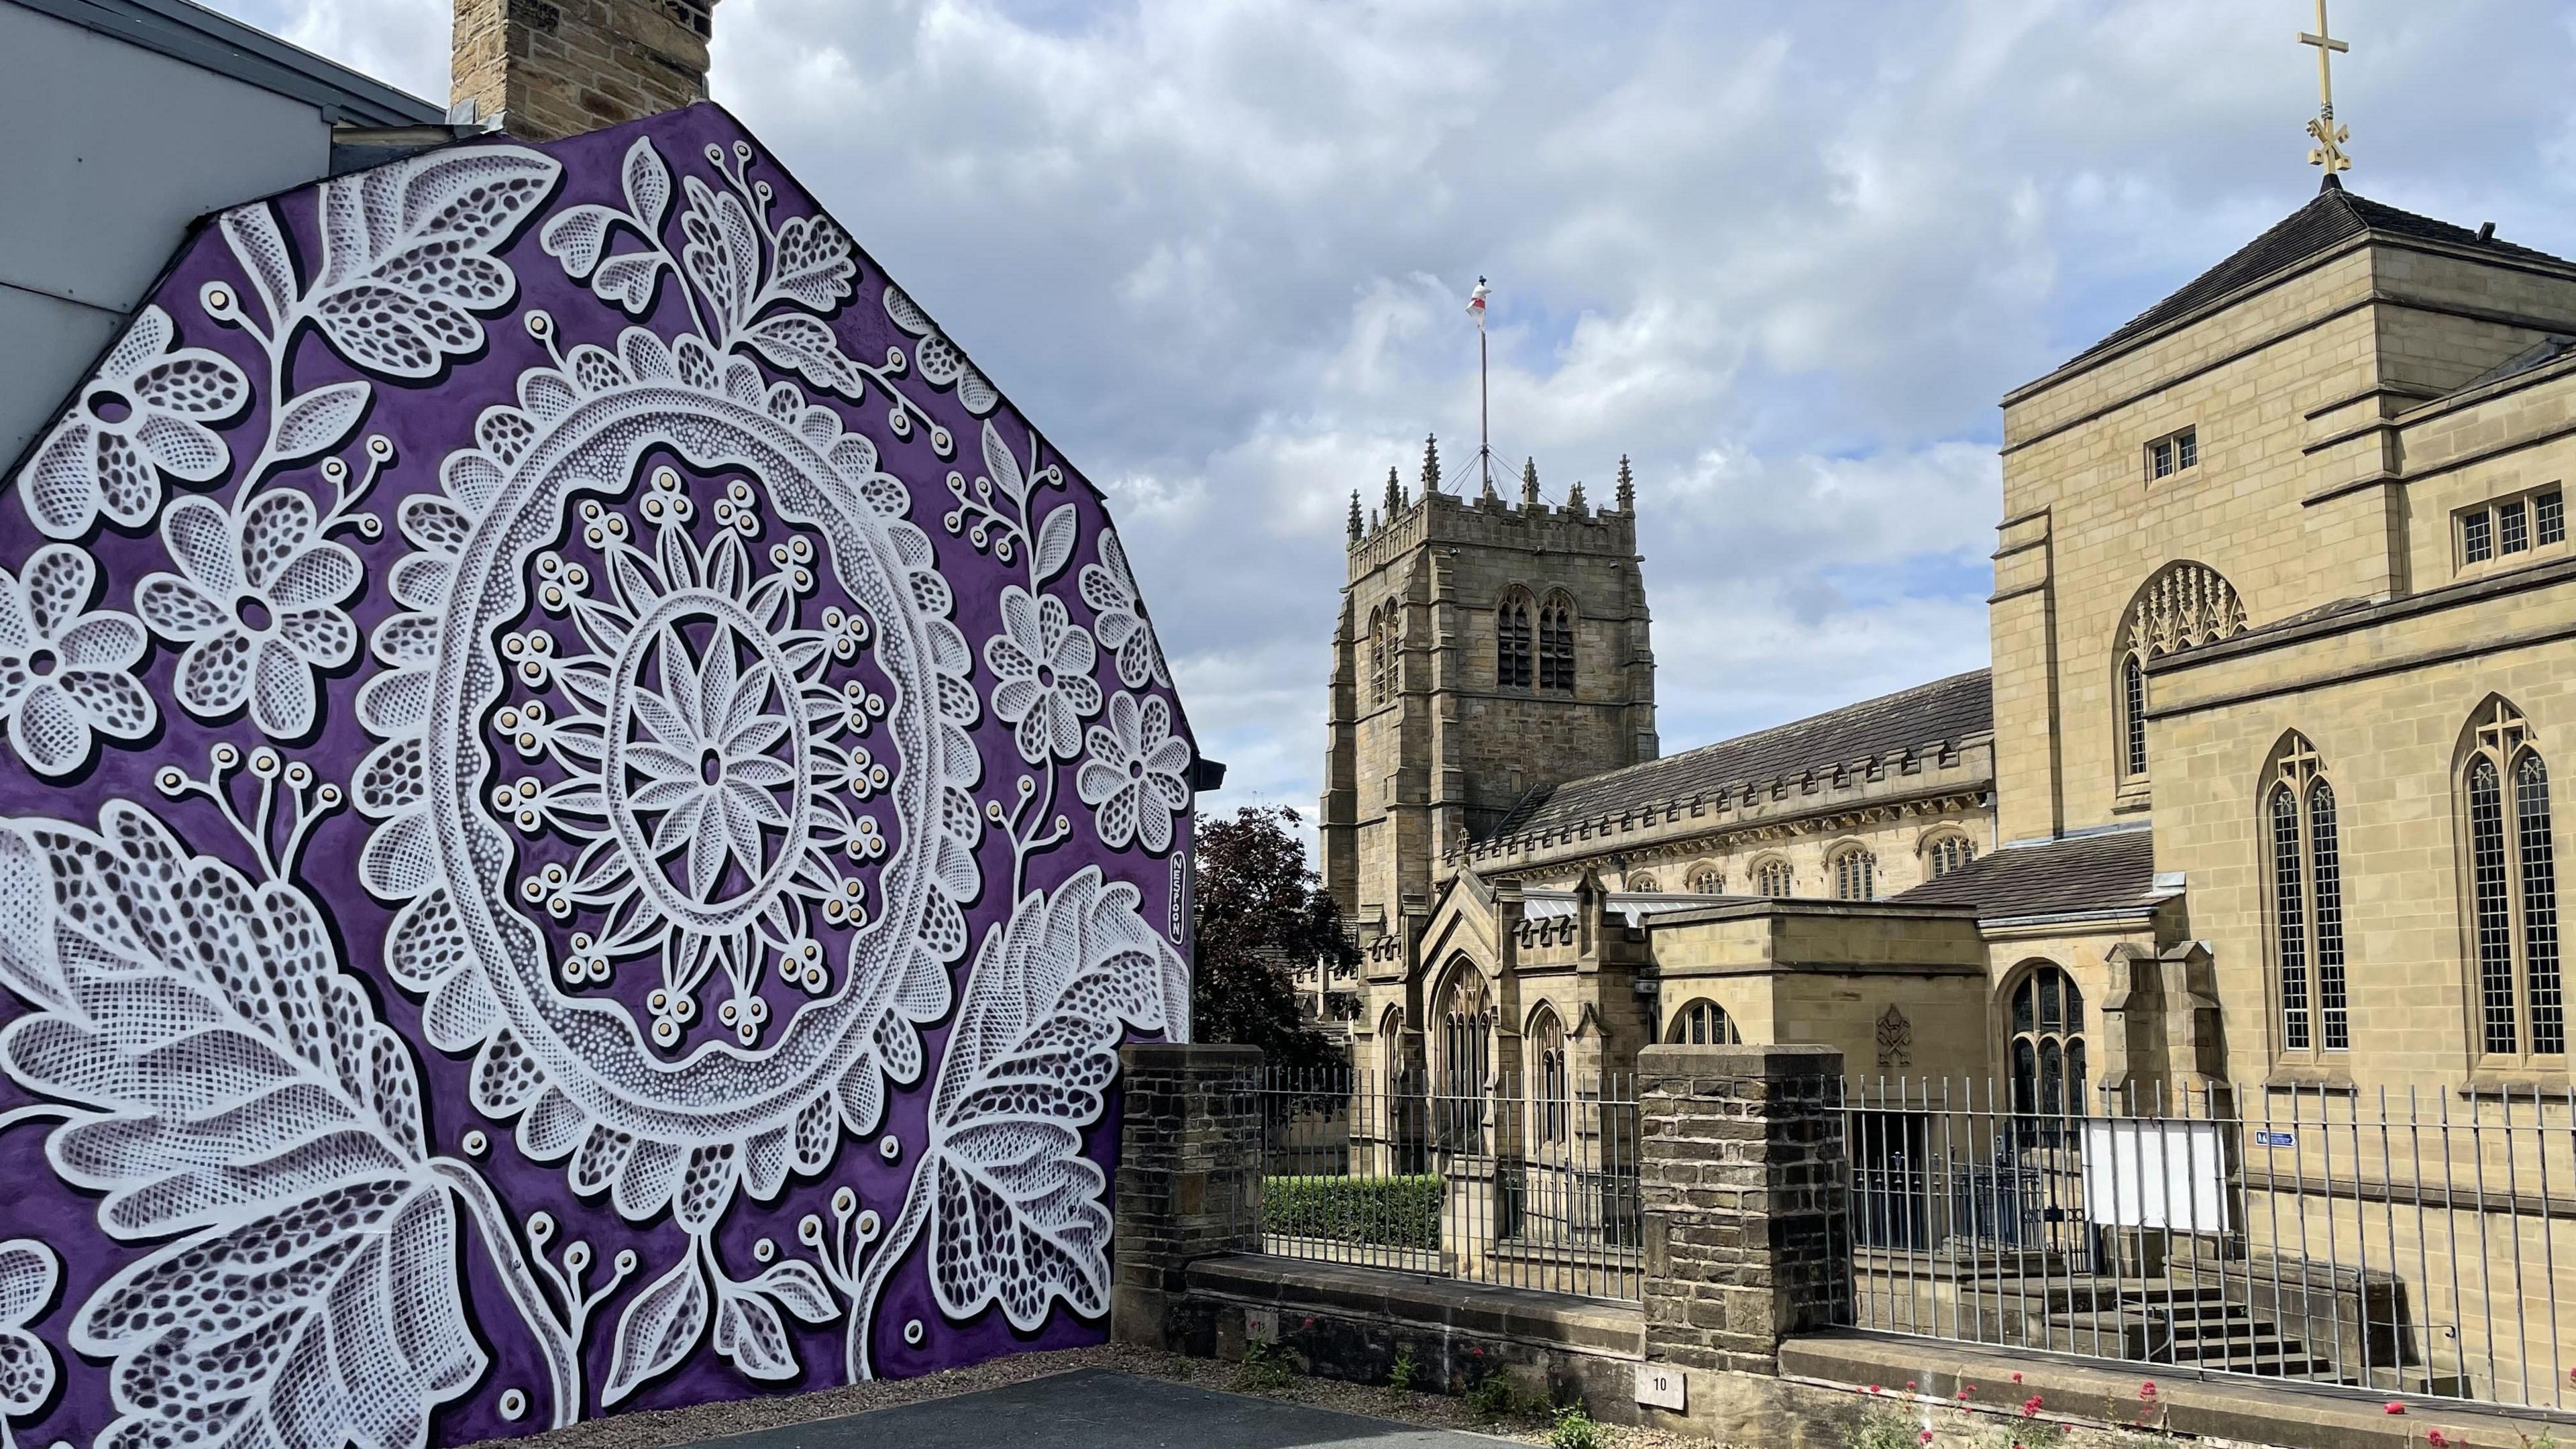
1513, 667
1556, 644
2306, 889
2513, 888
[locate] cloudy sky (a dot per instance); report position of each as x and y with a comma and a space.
1787, 256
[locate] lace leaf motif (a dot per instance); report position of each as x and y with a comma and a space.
237, 1090
1020, 1220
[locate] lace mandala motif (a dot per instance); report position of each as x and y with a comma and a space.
669, 790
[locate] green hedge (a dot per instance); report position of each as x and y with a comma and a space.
1390, 1212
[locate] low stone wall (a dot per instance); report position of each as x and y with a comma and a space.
1748, 1265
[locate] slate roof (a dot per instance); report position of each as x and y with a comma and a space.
2081, 873
2335, 217
1926, 717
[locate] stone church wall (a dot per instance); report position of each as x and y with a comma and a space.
2390, 739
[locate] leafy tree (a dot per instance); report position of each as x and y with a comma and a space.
1261, 912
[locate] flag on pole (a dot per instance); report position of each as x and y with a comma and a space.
1476, 304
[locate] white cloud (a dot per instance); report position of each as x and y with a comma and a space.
1786, 257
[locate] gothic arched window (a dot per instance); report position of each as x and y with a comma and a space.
1556, 644
1772, 877
2513, 886
2181, 606
2133, 717
1550, 1099
1706, 880
1855, 875
2307, 901
1512, 667
1703, 1023
1390, 1048
2047, 1043
1946, 853
1382, 653
1642, 883
1466, 1023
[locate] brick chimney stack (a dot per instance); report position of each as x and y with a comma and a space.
545, 69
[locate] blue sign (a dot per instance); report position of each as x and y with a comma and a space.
2272, 1139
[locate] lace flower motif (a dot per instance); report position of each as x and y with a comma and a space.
256, 603
27, 1274
1109, 587
1136, 777
66, 672
146, 409
1043, 661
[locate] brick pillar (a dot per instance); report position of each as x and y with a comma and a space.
1189, 1171
546, 69
1748, 1235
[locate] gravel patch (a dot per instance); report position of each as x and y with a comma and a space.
670, 1428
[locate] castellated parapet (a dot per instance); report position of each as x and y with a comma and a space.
1434, 738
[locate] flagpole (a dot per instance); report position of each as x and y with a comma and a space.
1484, 413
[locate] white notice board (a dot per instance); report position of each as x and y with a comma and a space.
2148, 1174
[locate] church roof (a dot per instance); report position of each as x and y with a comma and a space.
2080, 873
2335, 217
1927, 716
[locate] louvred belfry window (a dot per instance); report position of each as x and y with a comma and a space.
1556, 645
1512, 668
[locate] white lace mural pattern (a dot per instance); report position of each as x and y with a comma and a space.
614, 684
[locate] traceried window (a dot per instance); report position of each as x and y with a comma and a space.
1772, 877
1512, 667
1550, 1099
1703, 1023
1556, 644
1382, 654
2183, 605
1855, 876
1642, 883
2502, 527
2307, 902
1466, 1024
2047, 1043
2513, 887
1707, 880
1947, 853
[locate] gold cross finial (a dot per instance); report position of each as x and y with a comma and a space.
2328, 152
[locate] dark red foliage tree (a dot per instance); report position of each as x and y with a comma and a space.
1261, 914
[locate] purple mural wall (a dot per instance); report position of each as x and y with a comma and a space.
586, 806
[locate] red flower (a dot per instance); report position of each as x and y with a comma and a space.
1923, 1438
1309, 1323
1873, 1388
2016, 1379
1966, 1389
2147, 1390
2434, 1438
2030, 1407
2396, 1408
1909, 1386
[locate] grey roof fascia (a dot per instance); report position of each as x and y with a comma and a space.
218, 43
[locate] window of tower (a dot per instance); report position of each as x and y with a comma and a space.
1512, 657
1556, 644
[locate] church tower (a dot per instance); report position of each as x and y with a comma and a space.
1488, 650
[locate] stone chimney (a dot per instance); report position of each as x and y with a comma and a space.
545, 69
